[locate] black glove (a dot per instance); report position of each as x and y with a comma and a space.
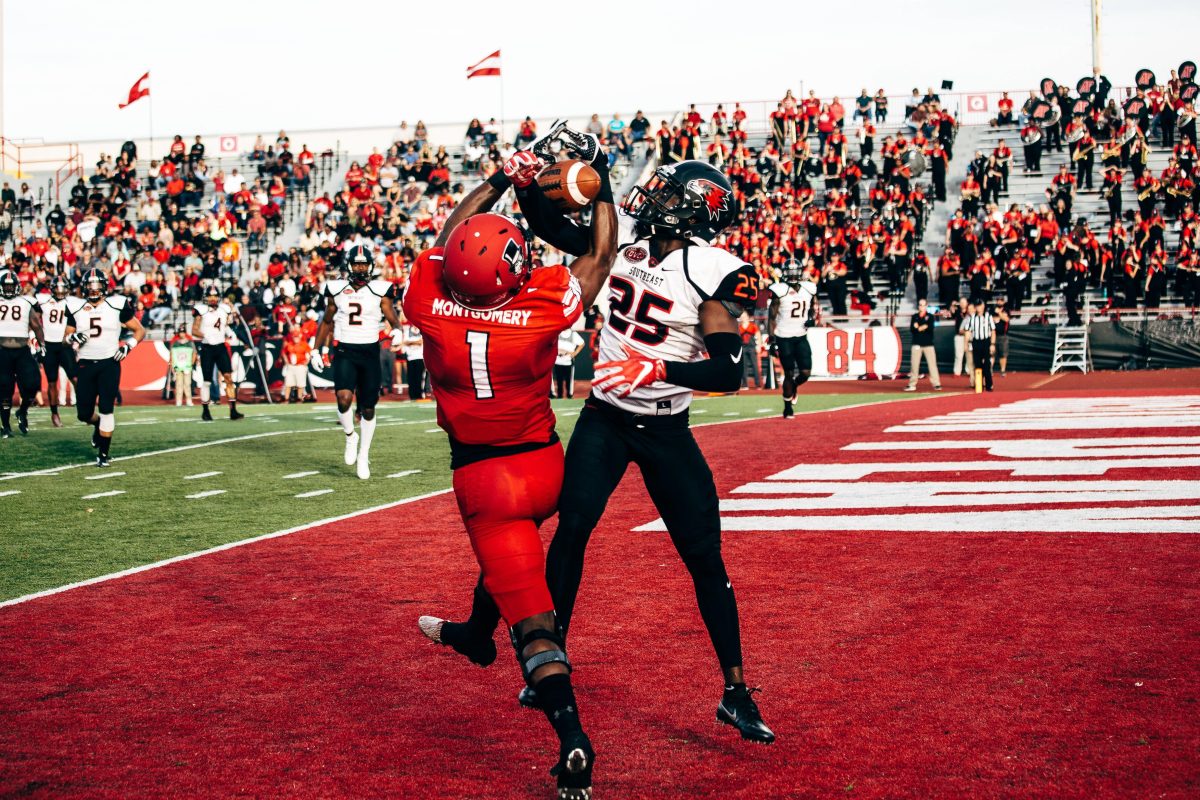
78, 338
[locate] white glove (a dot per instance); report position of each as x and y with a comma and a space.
78, 338
397, 337
316, 360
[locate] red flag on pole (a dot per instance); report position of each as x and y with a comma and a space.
137, 92
488, 66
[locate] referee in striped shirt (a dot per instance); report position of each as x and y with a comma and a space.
979, 329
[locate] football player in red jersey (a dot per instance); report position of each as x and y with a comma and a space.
673, 298
490, 325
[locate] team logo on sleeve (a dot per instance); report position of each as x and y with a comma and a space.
716, 198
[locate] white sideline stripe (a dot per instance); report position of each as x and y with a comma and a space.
199, 475
434, 430
103, 476
10, 492
195, 446
404, 473
330, 520
315, 493
208, 493
228, 546
300, 475
113, 493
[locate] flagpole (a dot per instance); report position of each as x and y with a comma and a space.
150, 106
503, 135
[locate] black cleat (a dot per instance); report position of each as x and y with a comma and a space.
235, 415
737, 708
103, 461
5, 433
574, 767
23, 421
528, 698
788, 413
205, 415
454, 635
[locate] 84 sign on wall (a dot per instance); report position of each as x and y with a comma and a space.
852, 352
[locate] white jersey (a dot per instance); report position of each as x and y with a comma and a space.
15, 316
654, 308
359, 318
101, 322
413, 352
214, 322
54, 318
568, 340
795, 308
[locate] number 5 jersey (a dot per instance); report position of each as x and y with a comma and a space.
491, 369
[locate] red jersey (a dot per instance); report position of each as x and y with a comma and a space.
491, 369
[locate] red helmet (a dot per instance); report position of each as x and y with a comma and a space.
486, 261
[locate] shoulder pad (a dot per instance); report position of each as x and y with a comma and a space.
720, 275
626, 229
117, 302
335, 287
379, 287
779, 289
809, 288
74, 304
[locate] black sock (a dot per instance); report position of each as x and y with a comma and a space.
105, 443
5, 414
485, 614
557, 699
54, 408
25, 404
731, 688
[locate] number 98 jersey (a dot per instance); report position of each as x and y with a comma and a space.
654, 308
491, 369
359, 317
15, 314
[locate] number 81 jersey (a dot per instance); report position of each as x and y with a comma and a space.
654, 308
359, 317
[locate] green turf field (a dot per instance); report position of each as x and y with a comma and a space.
59, 527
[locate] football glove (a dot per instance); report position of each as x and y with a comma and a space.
549, 146
316, 360
397, 337
41, 353
522, 167
78, 338
585, 147
627, 375
122, 351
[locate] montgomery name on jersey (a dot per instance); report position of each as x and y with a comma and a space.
16, 315
359, 317
102, 321
214, 322
795, 308
654, 308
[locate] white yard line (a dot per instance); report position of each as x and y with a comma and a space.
10, 493
295, 475
315, 493
404, 473
229, 546
200, 475
209, 493
113, 493
104, 475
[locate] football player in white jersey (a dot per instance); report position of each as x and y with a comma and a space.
59, 357
672, 299
96, 325
355, 311
210, 326
792, 308
20, 319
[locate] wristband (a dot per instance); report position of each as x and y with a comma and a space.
605, 195
499, 181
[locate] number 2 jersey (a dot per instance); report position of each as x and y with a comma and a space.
101, 322
654, 308
359, 316
491, 369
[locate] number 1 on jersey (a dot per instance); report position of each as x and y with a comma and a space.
478, 342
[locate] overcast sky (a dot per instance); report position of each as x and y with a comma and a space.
225, 66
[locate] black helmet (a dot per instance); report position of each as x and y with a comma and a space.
793, 273
60, 288
688, 200
10, 287
95, 284
359, 265
213, 293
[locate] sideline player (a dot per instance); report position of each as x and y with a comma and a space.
671, 298
58, 355
569, 345
354, 313
95, 324
210, 324
19, 320
787, 322
490, 325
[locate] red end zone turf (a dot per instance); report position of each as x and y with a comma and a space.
894, 664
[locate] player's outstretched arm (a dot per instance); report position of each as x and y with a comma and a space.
592, 268
480, 200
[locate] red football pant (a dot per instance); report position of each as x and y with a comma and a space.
503, 500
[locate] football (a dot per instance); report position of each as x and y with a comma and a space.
570, 185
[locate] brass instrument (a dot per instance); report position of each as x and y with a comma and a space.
1053, 118
1128, 133
1075, 133
1111, 150
1083, 151
1185, 117
1033, 137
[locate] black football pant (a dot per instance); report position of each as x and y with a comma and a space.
96, 386
605, 442
981, 354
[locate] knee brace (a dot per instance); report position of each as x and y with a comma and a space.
532, 663
108, 423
